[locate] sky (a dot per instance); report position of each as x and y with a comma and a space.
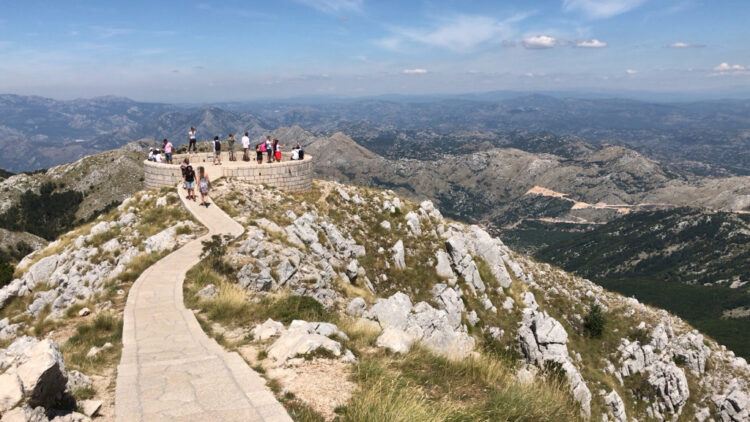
204, 51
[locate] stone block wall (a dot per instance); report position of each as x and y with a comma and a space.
292, 176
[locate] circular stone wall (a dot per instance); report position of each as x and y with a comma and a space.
288, 175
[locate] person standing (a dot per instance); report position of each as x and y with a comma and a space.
259, 152
276, 150
217, 151
204, 185
167, 147
189, 175
269, 148
230, 142
192, 140
245, 147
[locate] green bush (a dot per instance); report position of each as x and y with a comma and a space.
214, 251
595, 321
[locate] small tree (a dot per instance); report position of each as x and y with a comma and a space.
595, 321
214, 250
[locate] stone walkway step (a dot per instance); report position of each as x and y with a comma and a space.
170, 369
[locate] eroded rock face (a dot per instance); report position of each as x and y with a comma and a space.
543, 339
615, 407
436, 329
734, 405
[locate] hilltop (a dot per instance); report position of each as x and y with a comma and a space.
385, 294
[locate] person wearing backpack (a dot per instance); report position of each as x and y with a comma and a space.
217, 151
204, 185
189, 175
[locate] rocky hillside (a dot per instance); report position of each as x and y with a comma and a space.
61, 317
397, 299
50, 202
494, 185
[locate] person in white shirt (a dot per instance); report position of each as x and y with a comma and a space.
151, 156
157, 156
192, 143
295, 153
245, 147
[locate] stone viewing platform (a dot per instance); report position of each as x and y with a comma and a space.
288, 175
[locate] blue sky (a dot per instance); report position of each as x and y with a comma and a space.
242, 50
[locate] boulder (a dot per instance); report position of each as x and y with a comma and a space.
163, 241
413, 223
90, 407
391, 312
295, 343
395, 340
356, 307
208, 292
443, 267
11, 391
42, 375
268, 329
385, 225
398, 255
615, 407
84, 312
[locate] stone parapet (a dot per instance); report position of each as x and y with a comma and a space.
293, 176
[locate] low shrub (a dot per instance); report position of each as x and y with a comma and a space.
595, 321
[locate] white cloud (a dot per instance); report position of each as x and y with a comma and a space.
389, 43
334, 6
592, 43
681, 44
459, 34
600, 9
631, 71
539, 42
414, 71
726, 68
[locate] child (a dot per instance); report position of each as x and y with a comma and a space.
204, 185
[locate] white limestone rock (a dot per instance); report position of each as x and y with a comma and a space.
615, 407
208, 292
356, 307
267, 330
395, 340
443, 266
398, 255
413, 223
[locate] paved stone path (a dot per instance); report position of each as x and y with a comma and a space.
170, 369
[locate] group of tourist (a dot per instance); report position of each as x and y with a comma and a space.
268, 148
